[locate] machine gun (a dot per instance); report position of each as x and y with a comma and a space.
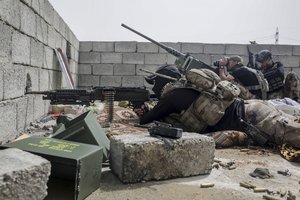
135, 95
184, 62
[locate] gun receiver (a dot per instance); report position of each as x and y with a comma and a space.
184, 62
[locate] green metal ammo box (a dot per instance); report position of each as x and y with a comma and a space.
75, 167
85, 129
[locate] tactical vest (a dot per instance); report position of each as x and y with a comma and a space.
275, 78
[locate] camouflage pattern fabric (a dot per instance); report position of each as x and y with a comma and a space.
281, 127
229, 138
292, 86
290, 153
244, 93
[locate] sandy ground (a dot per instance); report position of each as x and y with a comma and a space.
226, 181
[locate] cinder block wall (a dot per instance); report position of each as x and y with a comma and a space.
29, 31
118, 63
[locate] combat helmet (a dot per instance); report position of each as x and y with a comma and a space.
263, 55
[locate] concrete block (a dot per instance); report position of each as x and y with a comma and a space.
257, 48
36, 6
5, 43
125, 46
51, 36
48, 58
56, 19
134, 58
85, 46
214, 48
103, 46
147, 47
42, 7
28, 21
282, 50
289, 61
10, 12
59, 41
14, 81
158, 59
176, 46
1, 83
151, 68
36, 53
103, 69
76, 58
89, 57
39, 107
44, 80
192, 48
20, 48
41, 30
88, 80
27, 2
73, 67
136, 158
34, 75
23, 116
23, 175
111, 58
8, 122
236, 49
49, 12
132, 81
124, 69
203, 57
62, 27
85, 69
171, 59
296, 50
113, 81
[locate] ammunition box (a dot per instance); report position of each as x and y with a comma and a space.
75, 167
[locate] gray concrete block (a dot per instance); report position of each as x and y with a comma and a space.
236, 49
85, 46
171, 59
282, 50
62, 27
34, 75
39, 107
59, 41
10, 12
132, 81
36, 53
259, 47
48, 58
27, 2
48, 12
14, 81
136, 158
203, 57
85, 69
8, 122
176, 46
28, 21
20, 48
44, 80
36, 6
103, 69
56, 19
103, 46
23, 175
5, 43
125, 46
214, 48
89, 57
88, 80
113, 81
111, 58
151, 68
289, 61
192, 48
24, 117
41, 30
134, 58
51, 36
147, 47
124, 69
1, 83
296, 50
42, 8
76, 58
158, 59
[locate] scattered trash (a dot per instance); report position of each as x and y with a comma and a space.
284, 173
207, 185
262, 173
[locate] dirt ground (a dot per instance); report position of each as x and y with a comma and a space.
226, 182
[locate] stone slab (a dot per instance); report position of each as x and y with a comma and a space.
139, 157
23, 175
20, 48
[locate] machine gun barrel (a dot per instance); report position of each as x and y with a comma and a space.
158, 74
168, 49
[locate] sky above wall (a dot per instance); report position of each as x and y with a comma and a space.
203, 21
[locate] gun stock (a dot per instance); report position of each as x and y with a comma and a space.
184, 62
